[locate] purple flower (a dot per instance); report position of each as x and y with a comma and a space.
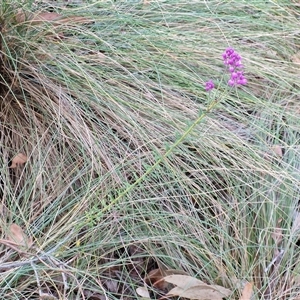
234, 62
237, 78
209, 85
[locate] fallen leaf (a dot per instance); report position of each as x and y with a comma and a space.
156, 277
46, 17
277, 149
183, 281
198, 293
20, 17
46, 296
143, 292
77, 19
111, 285
17, 236
175, 272
247, 291
59, 19
192, 288
93, 296
19, 159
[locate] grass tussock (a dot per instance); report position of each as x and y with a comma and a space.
131, 164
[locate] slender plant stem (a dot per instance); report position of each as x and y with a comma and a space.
210, 107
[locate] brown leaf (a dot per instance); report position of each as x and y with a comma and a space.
175, 272
143, 292
76, 19
46, 296
17, 236
58, 19
198, 293
19, 159
192, 288
111, 285
20, 17
247, 291
156, 277
93, 296
46, 17
183, 281
277, 149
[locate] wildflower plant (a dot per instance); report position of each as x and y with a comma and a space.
233, 62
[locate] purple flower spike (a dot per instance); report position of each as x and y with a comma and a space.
233, 60
209, 85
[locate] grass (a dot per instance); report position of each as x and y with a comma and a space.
131, 164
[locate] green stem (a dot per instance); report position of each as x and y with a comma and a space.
168, 152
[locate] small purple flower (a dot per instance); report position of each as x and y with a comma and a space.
231, 82
234, 62
209, 85
237, 78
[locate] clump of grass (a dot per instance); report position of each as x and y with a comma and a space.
132, 165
